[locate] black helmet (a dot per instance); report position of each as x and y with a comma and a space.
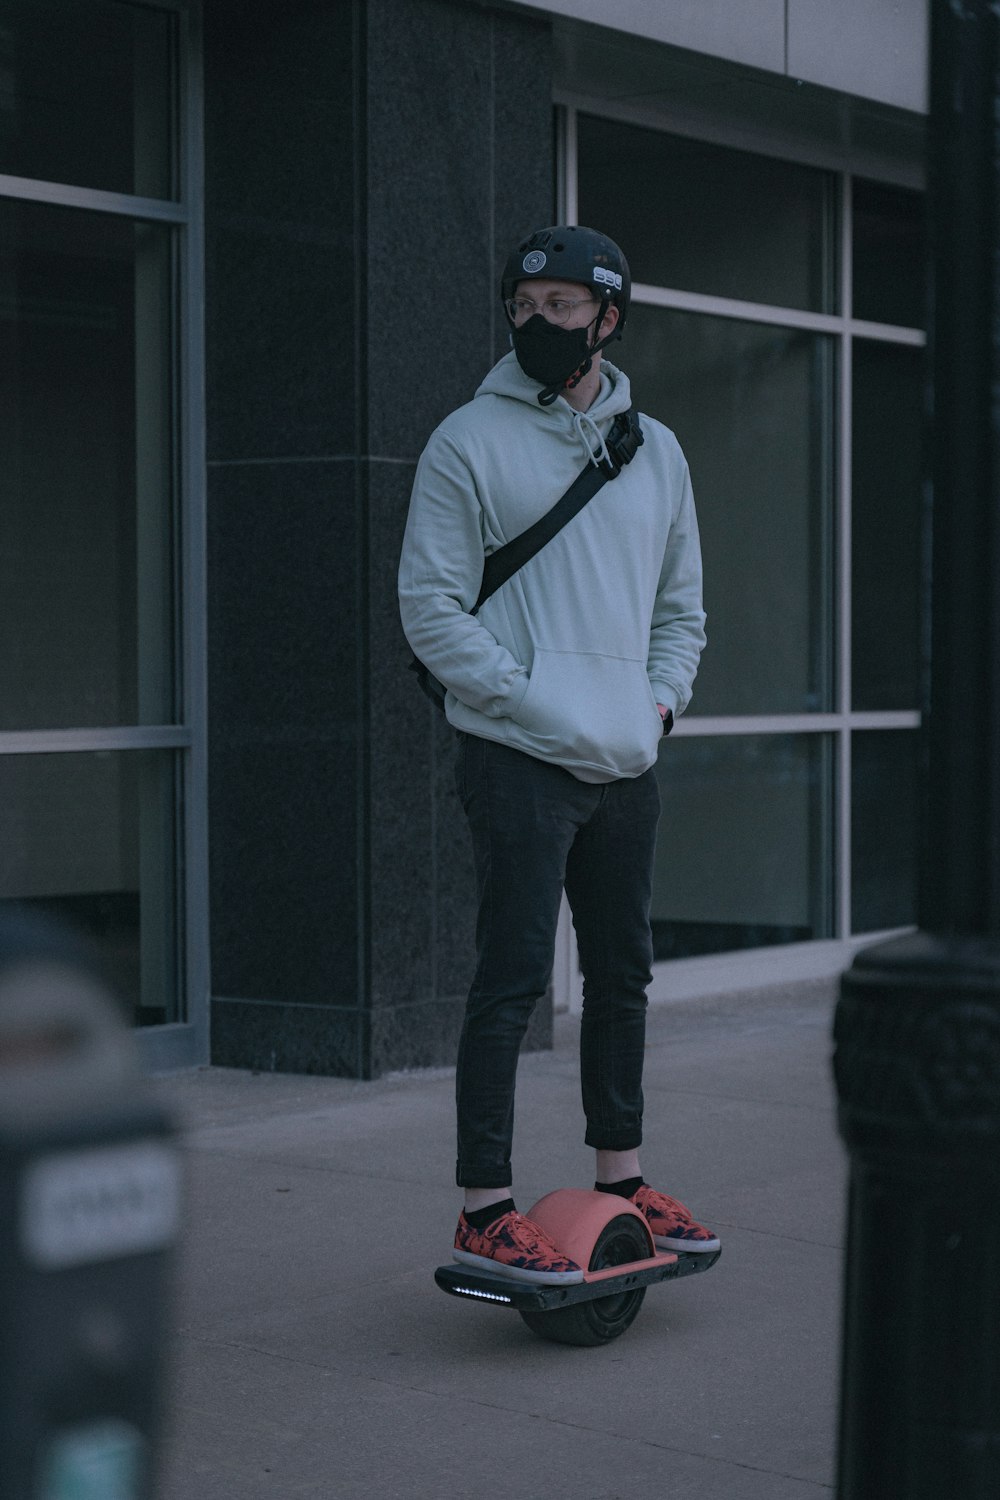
569, 252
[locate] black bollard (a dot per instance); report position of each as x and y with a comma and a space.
917, 1059
918, 1076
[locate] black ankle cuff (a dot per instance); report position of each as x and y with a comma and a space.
482, 1218
625, 1189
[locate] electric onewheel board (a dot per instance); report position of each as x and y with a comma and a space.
612, 1239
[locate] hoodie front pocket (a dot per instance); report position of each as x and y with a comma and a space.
585, 709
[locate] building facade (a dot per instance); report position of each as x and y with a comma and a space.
249, 258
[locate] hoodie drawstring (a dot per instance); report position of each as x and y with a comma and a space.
588, 432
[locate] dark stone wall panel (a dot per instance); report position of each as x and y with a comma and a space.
280, 330
284, 549
400, 838
281, 263
430, 164
279, 109
368, 167
290, 1038
460, 163
283, 831
284, 605
426, 1035
415, 1036
284, 827
524, 195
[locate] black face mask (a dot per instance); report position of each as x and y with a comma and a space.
550, 354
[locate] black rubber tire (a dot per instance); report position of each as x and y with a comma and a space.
603, 1318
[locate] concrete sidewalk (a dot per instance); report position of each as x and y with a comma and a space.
315, 1357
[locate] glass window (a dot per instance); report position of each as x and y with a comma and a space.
91, 838
706, 218
888, 253
86, 528
744, 849
747, 855
752, 407
884, 791
887, 525
87, 95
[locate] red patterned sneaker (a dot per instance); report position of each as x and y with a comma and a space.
517, 1247
672, 1225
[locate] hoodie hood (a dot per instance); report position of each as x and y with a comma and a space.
586, 429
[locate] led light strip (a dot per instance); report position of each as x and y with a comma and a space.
468, 1291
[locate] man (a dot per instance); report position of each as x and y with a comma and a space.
560, 688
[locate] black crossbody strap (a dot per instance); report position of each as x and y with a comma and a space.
622, 443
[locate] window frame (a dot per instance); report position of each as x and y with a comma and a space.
678, 978
185, 1042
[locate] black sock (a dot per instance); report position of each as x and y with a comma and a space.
482, 1218
625, 1189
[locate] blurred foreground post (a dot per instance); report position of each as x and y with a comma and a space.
89, 1215
918, 1025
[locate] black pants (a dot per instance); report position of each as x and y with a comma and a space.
535, 830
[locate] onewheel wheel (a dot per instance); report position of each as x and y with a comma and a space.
604, 1318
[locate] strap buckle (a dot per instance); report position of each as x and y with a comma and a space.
623, 443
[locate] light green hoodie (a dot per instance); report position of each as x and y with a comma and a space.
568, 660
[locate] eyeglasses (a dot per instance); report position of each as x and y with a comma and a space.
554, 310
